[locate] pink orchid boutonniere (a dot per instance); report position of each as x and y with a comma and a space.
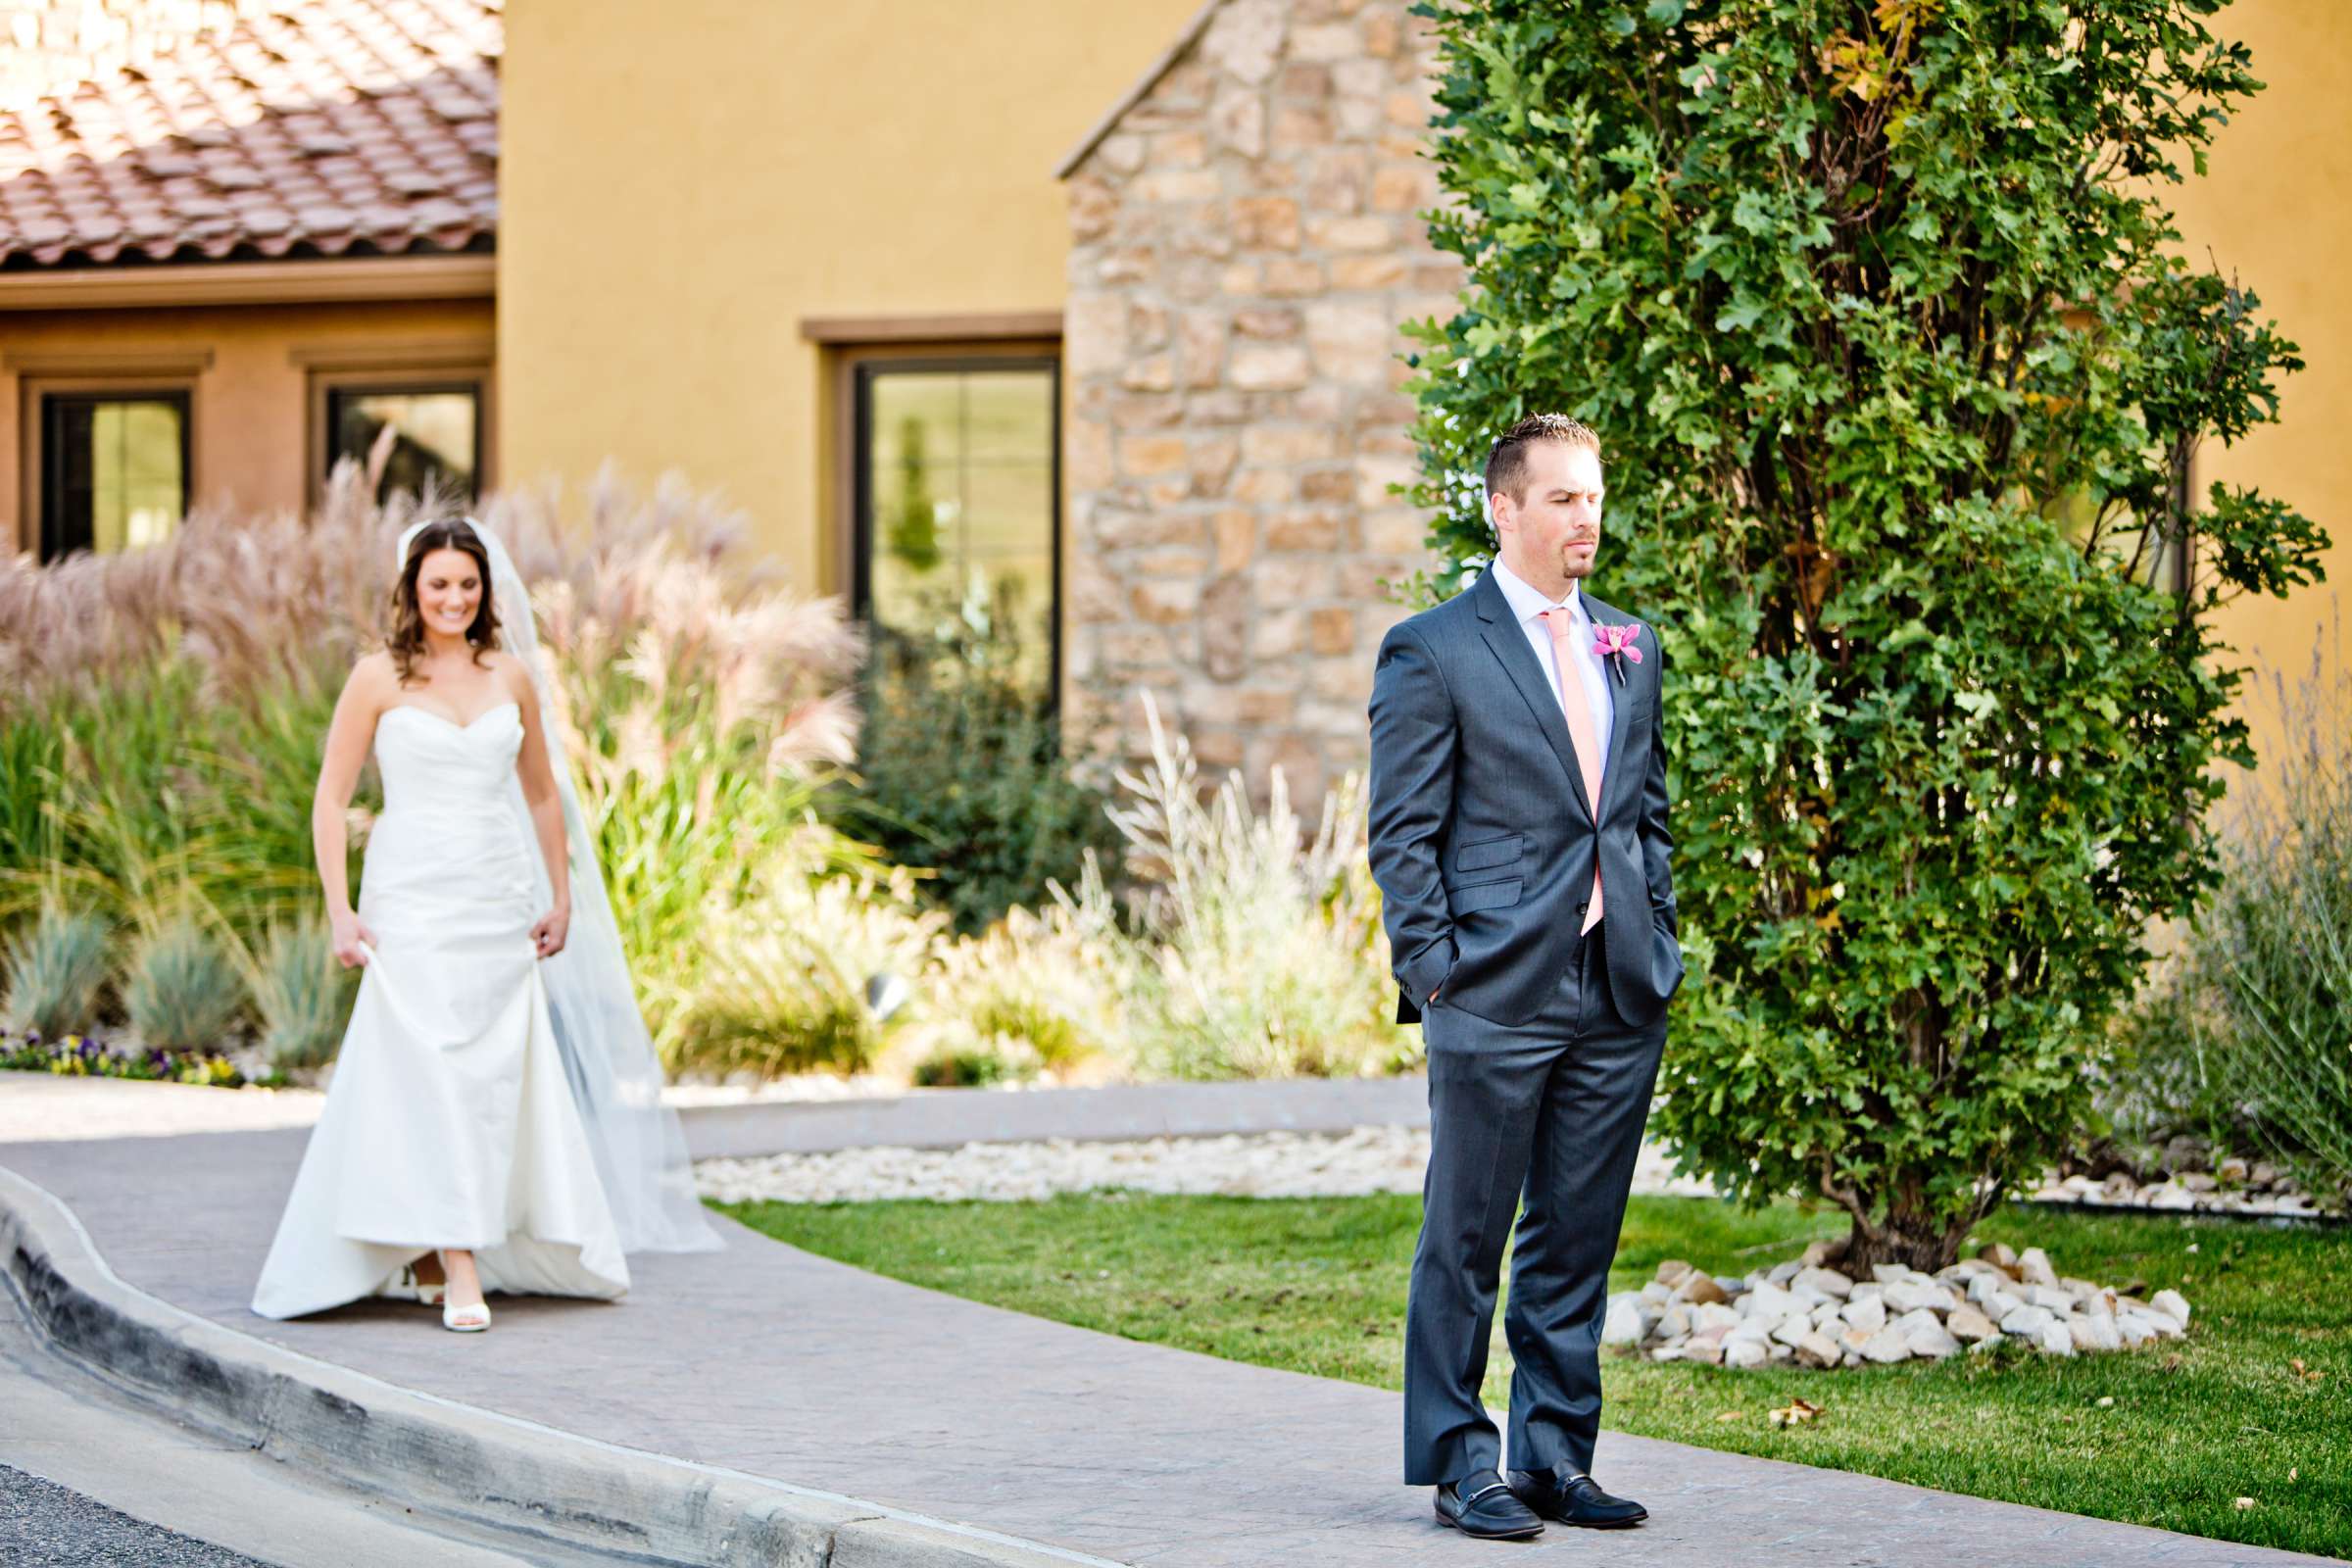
1616, 645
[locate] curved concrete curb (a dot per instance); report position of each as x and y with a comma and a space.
451, 1459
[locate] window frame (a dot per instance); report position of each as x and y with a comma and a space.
858, 369
39, 463
366, 367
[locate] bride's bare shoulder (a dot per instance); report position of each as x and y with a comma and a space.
374, 679
509, 669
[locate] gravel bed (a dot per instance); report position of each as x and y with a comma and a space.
1367, 1159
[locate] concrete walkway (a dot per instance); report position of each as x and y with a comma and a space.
767, 1360
41, 1108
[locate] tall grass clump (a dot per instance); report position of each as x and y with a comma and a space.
1258, 952
790, 975
183, 991
57, 967
704, 703
2263, 1007
162, 710
303, 995
1036, 991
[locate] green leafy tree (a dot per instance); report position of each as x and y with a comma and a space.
1879, 309
913, 532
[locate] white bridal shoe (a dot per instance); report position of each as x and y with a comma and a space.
465, 1319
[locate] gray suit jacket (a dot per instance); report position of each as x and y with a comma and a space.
1483, 842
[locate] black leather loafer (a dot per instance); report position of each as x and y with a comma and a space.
1574, 1499
1480, 1504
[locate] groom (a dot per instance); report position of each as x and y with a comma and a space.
1519, 839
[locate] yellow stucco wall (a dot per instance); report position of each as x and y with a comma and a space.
681, 186
2272, 213
249, 377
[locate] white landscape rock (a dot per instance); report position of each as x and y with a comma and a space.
1828, 1281
1966, 1323
2095, 1332
1623, 1326
1910, 1295
1883, 1347
1714, 1316
1931, 1340
2027, 1320
1811, 1316
1745, 1352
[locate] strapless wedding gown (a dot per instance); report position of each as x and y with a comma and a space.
449, 1121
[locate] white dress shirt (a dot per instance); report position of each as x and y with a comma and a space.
1529, 606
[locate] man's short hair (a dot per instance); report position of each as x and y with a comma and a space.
1506, 465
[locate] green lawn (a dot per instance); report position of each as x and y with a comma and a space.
1318, 1286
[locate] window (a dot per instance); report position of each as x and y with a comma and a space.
436, 435
957, 524
114, 470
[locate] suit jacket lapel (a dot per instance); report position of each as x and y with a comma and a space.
1509, 641
1620, 697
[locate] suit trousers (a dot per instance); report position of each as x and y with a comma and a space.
1553, 1108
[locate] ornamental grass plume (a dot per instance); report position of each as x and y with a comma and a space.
244, 601
2271, 956
1261, 954
700, 696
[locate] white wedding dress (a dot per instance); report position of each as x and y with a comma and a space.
449, 1121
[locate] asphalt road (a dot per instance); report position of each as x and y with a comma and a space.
93, 1478
42, 1525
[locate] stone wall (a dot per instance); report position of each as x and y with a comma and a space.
1246, 248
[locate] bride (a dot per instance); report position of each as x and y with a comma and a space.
495, 1104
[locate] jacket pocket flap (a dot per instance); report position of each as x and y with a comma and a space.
1490, 852
1484, 895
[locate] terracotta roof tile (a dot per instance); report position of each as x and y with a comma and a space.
322, 125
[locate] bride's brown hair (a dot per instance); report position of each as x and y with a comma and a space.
407, 639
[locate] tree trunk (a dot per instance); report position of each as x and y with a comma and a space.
1914, 1238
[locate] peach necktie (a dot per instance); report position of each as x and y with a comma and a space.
1581, 732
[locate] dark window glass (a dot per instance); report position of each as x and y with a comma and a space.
436, 435
114, 470
958, 514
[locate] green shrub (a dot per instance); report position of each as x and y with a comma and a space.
303, 995
975, 1067
1902, 382
962, 776
182, 993
57, 966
